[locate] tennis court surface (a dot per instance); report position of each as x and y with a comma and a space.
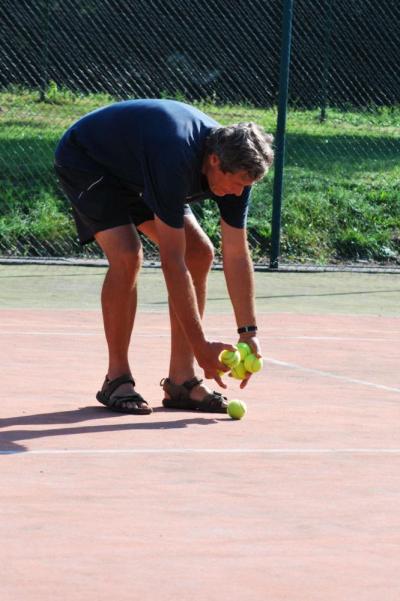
299, 501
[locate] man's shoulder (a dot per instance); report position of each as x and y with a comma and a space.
174, 110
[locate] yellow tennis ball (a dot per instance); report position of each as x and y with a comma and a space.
238, 371
253, 363
243, 349
230, 358
237, 409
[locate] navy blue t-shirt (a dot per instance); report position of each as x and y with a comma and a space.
155, 145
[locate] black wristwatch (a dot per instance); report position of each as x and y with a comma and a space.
244, 329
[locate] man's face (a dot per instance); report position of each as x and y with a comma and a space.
221, 183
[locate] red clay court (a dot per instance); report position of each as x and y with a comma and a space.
299, 501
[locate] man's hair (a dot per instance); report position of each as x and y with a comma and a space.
241, 147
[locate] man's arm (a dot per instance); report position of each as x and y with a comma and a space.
238, 270
172, 246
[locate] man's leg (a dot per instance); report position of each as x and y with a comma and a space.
123, 249
199, 258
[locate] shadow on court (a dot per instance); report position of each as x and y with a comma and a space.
9, 438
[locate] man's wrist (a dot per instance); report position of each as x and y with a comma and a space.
247, 329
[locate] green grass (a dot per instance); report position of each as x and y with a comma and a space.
341, 190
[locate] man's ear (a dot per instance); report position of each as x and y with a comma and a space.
214, 160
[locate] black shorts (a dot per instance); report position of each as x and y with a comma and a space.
101, 202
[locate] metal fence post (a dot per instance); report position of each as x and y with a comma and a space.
326, 59
45, 51
280, 131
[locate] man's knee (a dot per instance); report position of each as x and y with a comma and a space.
200, 258
123, 249
127, 262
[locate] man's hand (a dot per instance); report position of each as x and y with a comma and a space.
208, 358
238, 269
254, 344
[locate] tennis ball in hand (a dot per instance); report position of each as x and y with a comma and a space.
237, 409
253, 363
243, 349
230, 358
239, 371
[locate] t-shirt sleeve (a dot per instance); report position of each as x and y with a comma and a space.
165, 189
233, 209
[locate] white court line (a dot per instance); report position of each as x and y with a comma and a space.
328, 374
96, 332
318, 372
54, 333
99, 332
200, 451
338, 338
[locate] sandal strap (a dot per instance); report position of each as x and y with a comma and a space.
189, 384
117, 401
180, 396
215, 400
175, 391
112, 385
179, 392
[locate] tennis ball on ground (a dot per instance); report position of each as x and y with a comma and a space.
230, 358
253, 363
238, 371
243, 349
236, 409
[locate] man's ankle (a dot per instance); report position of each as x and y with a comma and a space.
113, 374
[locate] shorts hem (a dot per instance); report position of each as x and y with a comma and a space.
87, 240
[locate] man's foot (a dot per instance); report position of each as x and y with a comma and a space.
120, 395
192, 395
197, 393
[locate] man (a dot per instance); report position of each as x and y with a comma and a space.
135, 166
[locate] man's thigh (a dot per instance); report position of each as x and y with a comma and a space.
196, 239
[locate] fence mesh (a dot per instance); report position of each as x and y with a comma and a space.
59, 60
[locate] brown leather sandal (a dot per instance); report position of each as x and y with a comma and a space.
119, 403
212, 402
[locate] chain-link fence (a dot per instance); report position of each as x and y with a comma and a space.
342, 192
59, 60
